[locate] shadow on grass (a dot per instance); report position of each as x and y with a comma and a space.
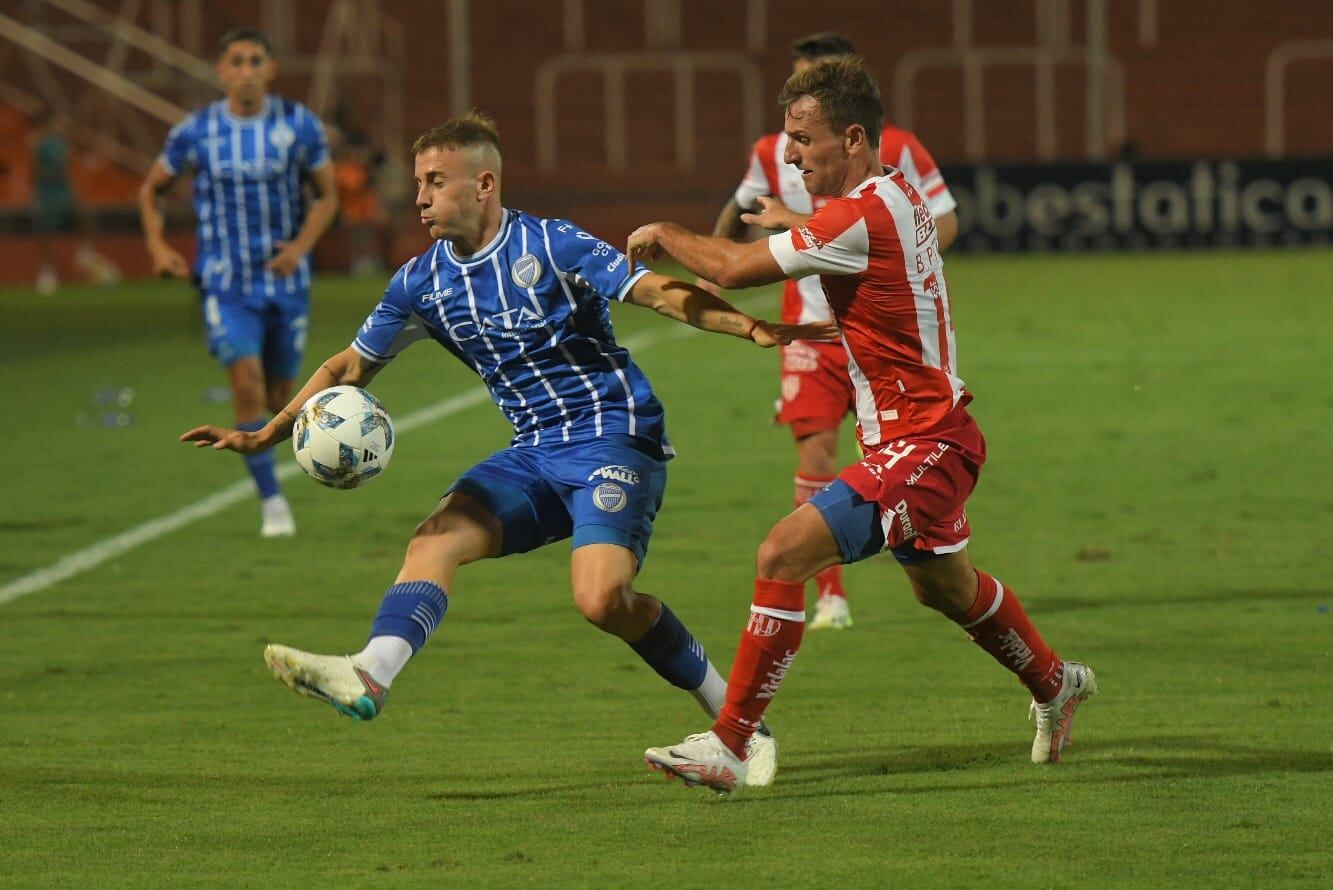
1116, 762
1045, 604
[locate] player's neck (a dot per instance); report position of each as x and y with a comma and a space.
488, 227
240, 108
858, 173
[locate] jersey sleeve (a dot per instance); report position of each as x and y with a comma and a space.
181, 149
586, 261
313, 141
390, 328
755, 185
834, 241
931, 185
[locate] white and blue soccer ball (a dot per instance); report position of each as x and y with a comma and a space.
343, 437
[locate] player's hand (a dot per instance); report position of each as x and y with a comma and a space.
167, 263
705, 285
221, 438
642, 245
767, 334
286, 260
774, 215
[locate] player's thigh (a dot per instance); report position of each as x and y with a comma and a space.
463, 526
800, 546
602, 580
613, 487
286, 323
234, 329
511, 486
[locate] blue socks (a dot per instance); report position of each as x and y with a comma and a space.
411, 611
673, 652
262, 466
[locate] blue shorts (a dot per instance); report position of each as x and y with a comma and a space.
273, 330
857, 526
600, 491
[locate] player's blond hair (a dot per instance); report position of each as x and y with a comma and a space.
846, 92
465, 131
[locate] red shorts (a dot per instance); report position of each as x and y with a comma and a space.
816, 389
908, 495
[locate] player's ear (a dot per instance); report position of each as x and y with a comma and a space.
853, 137
485, 184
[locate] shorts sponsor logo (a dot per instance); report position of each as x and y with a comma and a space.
927, 462
799, 357
610, 497
961, 522
909, 530
791, 386
526, 270
615, 473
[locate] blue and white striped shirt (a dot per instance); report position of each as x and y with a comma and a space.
247, 192
529, 313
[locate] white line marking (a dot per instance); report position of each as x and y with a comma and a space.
91, 557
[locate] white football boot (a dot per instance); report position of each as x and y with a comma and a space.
701, 759
278, 519
761, 759
1055, 718
336, 680
831, 613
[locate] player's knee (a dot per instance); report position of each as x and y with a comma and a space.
777, 557
946, 595
603, 604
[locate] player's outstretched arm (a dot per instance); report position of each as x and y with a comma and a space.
708, 312
720, 260
348, 366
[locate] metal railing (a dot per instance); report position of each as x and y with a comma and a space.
1275, 87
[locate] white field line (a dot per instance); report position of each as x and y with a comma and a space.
94, 555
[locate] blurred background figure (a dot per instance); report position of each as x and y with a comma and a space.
356, 166
56, 210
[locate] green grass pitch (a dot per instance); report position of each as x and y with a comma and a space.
1159, 493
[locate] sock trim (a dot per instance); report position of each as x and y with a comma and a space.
994, 607
779, 613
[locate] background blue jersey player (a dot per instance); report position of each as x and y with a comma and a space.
524, 302
253, 154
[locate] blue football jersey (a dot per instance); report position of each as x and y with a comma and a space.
530, 313
247, 192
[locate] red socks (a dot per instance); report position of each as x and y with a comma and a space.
997, 623
829, 581
766, 652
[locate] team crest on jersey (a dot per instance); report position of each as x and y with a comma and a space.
282, 136
610, 497
526, 270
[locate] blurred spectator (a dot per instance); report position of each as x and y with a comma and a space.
56, 210
359, 204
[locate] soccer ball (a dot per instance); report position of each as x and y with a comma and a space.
343, 437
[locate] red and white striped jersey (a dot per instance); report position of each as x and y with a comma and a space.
803, 301
878, 258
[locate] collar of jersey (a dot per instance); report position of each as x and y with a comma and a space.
857, 191
506, 221
246, 121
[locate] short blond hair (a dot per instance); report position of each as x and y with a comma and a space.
465, 131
